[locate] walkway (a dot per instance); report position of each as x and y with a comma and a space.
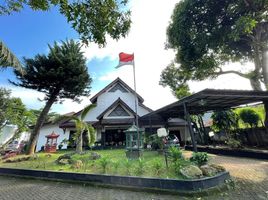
251, 177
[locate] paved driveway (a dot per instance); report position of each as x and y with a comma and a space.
251, 177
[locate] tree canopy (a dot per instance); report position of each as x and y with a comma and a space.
13, 111
250, 117
92, 19
208, 34
59, 75
8, 59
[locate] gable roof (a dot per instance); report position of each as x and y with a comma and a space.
116, 81
118, 101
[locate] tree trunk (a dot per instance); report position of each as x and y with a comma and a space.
265, 68
79, 143
39, 124
255, 84
265, 103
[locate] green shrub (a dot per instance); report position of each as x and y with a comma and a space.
116, 165
127, 165
104, 161
179, 164
175, 154
140, 167
157, 166
250, 117
199, 158
233, 143
155, 141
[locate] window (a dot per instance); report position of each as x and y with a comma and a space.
118, 87
118, 111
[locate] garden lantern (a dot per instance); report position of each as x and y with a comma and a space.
51, 144
134, 143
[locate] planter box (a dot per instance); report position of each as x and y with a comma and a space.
232, 152
125, 181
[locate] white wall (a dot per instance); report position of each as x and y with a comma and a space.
108, 98
47, 130
7, 132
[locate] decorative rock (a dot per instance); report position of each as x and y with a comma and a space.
67, 156
64, 161
191, 172
77, 164
218, 168
94, 156
208, 170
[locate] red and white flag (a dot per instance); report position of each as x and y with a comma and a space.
125, 59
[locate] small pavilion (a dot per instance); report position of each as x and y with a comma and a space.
205, 101
51, 144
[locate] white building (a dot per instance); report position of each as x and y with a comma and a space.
114, 113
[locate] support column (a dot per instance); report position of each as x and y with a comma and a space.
186, 114
103, 137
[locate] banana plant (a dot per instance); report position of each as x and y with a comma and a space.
81, 126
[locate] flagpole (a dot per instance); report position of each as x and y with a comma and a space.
136, 106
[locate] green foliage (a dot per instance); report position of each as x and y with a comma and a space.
92, 19
61, 74
8, 59
249, 117
199, 158
140, 168
175, 154
259, 109
127, 164
207, 34
155, 141
81, 126
157, 165
13, 111
224, 120
179, 164
233, 143
175, 79
116, 165
104, 162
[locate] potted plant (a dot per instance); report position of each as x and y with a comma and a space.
65, 141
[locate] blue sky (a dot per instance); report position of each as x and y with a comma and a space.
28, 33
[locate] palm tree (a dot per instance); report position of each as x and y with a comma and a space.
8, 59
82, 126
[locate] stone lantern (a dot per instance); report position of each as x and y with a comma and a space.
134, 143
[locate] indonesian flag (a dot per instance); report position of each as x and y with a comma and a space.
125, 59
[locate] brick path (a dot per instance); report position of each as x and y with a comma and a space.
251, 177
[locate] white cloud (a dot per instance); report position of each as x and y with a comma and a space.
146, 39
31, 99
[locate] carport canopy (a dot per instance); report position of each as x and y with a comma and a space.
202, 102
208, 100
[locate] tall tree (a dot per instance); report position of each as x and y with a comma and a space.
8, 59
92, 19
61, 74
206, 34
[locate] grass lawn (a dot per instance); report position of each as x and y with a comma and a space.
152, 165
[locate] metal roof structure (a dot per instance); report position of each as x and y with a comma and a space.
207, 100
